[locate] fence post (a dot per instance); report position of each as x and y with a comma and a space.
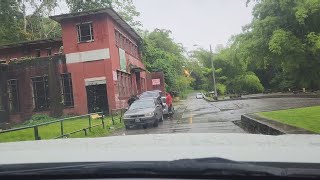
85, 132
89, 122
61, 128
112, 117
102, 119
36, 133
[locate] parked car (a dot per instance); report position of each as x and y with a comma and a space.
152, 94
143, 112
165, 106
148, 94
199, 96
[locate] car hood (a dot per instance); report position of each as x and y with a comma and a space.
139, 111
166, 147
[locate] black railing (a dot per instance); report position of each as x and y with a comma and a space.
114, 116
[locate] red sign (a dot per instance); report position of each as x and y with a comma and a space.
155, 82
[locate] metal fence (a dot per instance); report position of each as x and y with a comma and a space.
115, 115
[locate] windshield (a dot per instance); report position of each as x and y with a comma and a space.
188, 73
142, 105
149, 94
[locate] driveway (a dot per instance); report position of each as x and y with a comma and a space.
199, 116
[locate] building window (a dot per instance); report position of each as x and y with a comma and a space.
123, 82
135, 51
121, 41
13, 95
38, 52
117, 38
127, 86
66, 89
85, 32
143, 84
130, 48
124, 42
119, 84
49, 52
40, 93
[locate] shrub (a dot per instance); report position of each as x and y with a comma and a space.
221, 88
246, 83
252, 84
182, 83
37, 119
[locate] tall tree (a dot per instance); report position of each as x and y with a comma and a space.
281, 44
125, 8
161, 53
10, 29
85, 5
36, 24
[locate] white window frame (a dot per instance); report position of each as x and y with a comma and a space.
79, 31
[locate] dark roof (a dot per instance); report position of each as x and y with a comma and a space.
135, 68
108, 11
25, 43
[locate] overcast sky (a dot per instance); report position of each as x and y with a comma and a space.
201, 22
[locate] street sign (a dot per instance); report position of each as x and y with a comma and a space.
155, 82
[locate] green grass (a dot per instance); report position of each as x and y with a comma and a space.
307, 118
53, 130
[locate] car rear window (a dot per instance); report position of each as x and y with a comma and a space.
142, 104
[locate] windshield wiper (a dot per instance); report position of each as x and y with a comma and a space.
207, 167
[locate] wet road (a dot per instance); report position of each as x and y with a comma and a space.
199, 116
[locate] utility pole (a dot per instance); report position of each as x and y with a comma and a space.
213, 75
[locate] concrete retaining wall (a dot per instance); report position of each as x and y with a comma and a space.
251, 125
256, 124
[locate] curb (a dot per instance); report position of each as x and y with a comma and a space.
256, 124
265, 97
209, 100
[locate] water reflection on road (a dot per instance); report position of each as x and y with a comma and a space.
199, 116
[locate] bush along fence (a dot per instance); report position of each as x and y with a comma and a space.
116, 115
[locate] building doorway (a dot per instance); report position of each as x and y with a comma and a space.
138, 83
97, 98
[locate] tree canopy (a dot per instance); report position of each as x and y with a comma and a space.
29, 19
161, 53
124, 7
280, 47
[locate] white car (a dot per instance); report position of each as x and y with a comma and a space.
199, 96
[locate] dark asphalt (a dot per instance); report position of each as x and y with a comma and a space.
199, 116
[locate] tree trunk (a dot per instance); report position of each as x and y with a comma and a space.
24, 17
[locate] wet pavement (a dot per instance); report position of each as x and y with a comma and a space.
199, 116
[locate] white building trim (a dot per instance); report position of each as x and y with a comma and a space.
95, 81
88, 56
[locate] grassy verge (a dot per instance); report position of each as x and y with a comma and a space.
53, 130
307, 118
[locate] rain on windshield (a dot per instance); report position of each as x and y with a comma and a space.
221, 67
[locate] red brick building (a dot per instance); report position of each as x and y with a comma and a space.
95, 66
